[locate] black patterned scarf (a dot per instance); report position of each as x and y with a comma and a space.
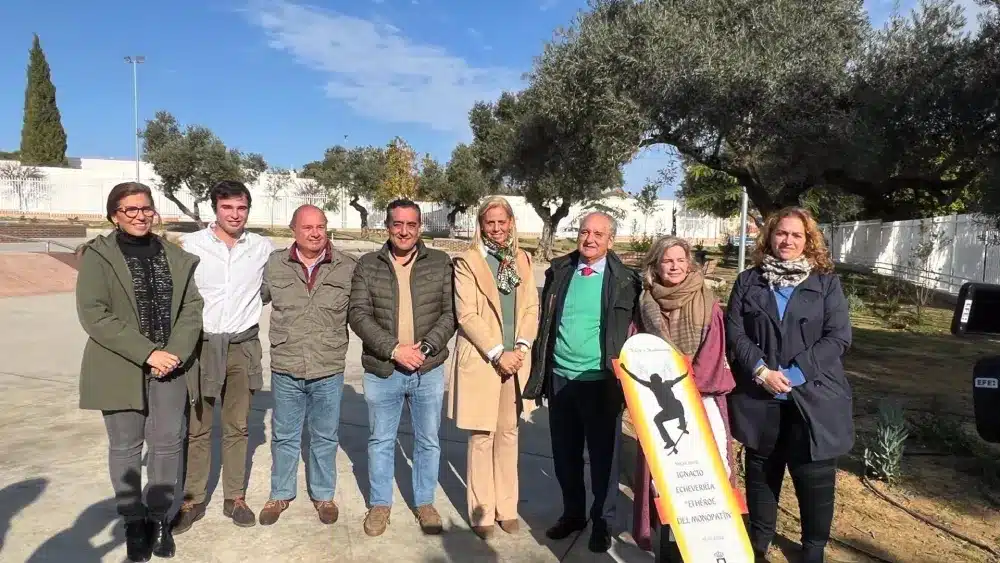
785, 273
507, 278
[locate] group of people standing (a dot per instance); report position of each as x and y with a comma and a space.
173, 331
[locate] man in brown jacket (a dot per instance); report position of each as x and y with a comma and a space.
402, 309
308, 286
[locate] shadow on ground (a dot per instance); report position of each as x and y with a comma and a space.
76, 542
262, 403
15, 498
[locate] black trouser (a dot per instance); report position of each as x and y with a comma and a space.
591, 412
814, 481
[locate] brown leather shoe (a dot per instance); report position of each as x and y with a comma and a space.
327, 511
189, 513
484, 532
429, 519
240, 512
377, 520
272, 511
509, 526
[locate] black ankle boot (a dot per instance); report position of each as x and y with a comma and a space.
137, 540
162, 538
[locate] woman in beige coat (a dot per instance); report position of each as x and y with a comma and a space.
496, 306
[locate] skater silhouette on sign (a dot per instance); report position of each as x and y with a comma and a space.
670, 407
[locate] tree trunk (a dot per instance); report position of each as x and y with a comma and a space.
191, 212
361, 211
452, 216
550, 222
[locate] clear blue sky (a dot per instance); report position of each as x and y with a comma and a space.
284, 78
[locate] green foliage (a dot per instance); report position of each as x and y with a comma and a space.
43, 139
798, 104
641, 243
709, 191
194, 159
729, 250
459, 186
887, 302
544, 143
432, 179
400, 174
883, 451
647, 201
359, 172
855, 303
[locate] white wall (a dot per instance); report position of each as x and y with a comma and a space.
82, 192
960, 256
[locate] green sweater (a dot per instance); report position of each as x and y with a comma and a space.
577, 352
507, 306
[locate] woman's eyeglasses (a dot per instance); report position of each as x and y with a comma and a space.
133, 212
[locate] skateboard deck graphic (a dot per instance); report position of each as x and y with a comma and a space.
695, 497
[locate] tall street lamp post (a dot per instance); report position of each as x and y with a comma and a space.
135, 61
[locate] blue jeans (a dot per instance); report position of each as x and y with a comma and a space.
385, 398
316, 401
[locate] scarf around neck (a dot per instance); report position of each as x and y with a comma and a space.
685, 310
507, 278
785, 273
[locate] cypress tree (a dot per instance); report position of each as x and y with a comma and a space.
43, 139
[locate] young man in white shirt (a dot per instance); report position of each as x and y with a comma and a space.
229, 277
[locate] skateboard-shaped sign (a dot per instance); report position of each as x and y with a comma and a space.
695, 497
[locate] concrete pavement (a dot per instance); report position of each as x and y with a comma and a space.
56, 502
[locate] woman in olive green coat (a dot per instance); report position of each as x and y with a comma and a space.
137, 302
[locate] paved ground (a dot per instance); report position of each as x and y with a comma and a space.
56, 503
58, 245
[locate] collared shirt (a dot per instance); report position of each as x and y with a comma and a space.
325, 256
229, 279
598, 266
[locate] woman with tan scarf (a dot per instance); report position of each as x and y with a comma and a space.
677, 306
496, 306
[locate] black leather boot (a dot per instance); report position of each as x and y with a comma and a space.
162, 538
137, 540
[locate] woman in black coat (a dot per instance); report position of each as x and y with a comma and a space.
787, 327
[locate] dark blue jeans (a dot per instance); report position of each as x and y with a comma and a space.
317, 402
385, 398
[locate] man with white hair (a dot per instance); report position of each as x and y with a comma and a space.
588, 302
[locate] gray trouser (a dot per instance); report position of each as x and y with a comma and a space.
161, 425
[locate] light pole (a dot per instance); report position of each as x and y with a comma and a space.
744, 203
135, 61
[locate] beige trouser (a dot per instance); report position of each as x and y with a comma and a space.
492, 465
236, 400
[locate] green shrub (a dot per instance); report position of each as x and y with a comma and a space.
854, 301
884, 450
641, 244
